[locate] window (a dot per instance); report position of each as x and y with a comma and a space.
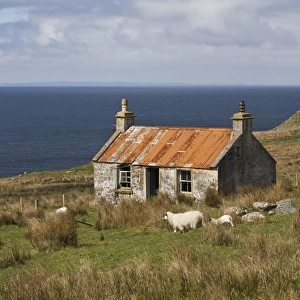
124, 177
185, 183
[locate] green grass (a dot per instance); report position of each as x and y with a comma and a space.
125, 254
121, 246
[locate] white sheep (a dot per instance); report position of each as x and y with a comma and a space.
185, 221
222, 220
62, 210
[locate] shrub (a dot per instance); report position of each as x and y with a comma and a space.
53, 232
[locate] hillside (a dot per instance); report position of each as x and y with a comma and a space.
283, 142
293, 123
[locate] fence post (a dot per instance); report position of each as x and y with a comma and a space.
36, 203
63, 200
296, 179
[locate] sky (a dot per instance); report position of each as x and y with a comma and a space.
203, 42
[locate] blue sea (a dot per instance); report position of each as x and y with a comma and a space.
50, 128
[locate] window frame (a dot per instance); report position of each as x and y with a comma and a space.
185, 184
124, 177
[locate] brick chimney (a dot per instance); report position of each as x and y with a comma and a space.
124, 118
242, 121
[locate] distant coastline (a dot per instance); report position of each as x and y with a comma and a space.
129, 84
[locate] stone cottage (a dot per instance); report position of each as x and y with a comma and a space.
139, 161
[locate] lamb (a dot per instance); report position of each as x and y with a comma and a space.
184, 221
62, 210
222, 220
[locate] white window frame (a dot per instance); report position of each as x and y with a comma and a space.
185, 182
125, 177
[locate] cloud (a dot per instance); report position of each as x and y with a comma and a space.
148, 40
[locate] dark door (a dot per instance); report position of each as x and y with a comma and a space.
153, 181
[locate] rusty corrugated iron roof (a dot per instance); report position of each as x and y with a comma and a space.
162, 146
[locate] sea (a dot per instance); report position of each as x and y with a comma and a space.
53, 128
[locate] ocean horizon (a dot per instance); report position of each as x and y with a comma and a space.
53, 128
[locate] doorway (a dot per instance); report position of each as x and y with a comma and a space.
152, 182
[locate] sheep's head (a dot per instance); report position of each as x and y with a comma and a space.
165, 217
244, 210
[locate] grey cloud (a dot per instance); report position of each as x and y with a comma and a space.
145, 35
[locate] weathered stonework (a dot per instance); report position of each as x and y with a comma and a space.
105, 182
138, 182
245, 163
202, 180
168, 181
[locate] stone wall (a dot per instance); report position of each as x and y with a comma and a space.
106, 185
105, 181
202, 180
138, 182
246, 163
167, 184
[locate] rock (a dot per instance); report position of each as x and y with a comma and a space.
235, 210
264, 206
285, 207
254, 216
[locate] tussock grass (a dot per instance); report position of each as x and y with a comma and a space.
6, 218
185, 274
27, 214
53, 232
247, 195
220, 235
13, 257
79, 208
132, 213
212, 198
